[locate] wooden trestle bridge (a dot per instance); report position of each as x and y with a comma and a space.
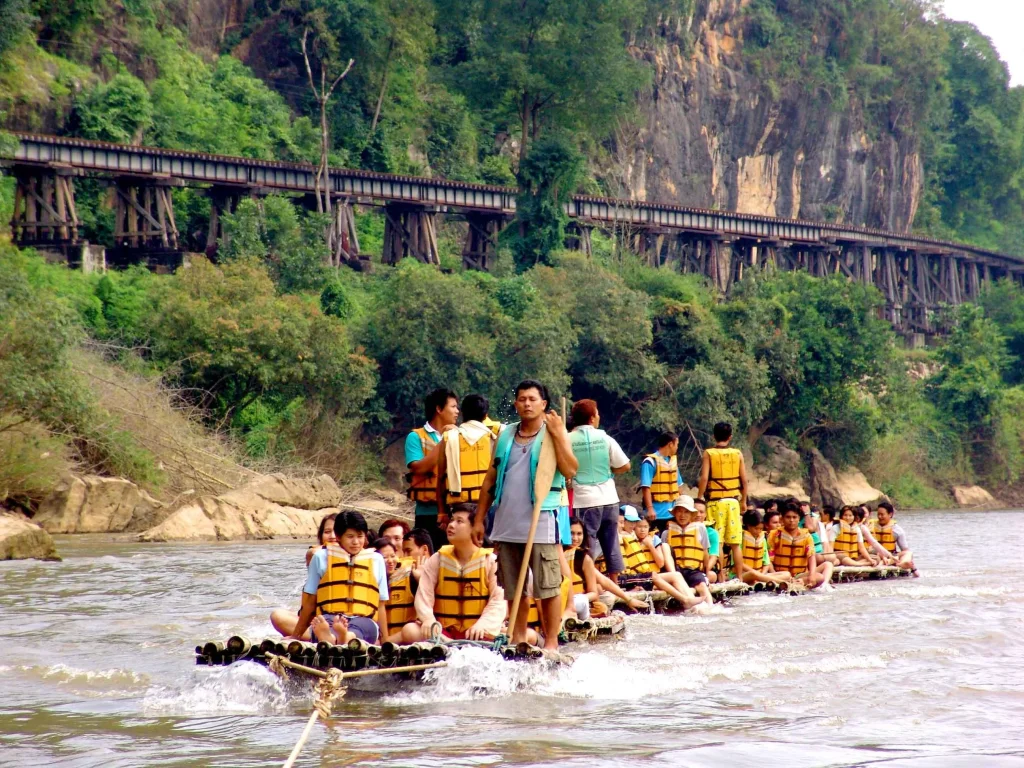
917, 276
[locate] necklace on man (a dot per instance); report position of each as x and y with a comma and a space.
519, 434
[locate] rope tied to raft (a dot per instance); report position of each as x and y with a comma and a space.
328, 688
277, 667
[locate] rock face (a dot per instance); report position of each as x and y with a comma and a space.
761, 488
855, 488
716, 136
21, 539
274, 506
94, 504
836, 489
973, 496
823, 480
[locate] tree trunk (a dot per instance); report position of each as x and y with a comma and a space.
383, 85
525, 128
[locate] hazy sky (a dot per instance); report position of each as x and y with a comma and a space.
1000, 20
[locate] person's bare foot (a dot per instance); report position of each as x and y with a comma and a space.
340, 627
322, 630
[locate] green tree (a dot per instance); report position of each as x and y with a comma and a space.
547, 181
119, 110
1003, 303
536, 65
15, 19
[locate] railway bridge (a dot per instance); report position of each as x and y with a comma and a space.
916, 275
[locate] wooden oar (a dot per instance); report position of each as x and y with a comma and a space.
546, 467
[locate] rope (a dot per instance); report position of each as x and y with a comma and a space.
330, 687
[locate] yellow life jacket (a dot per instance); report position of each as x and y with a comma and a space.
491, 424
423, 486
401, 599
723, 473
632, 553
643, 560
533, 614
474, 460
884, 535
846, 542
348, 585
578, 588
790, 552
687, 550
462, 590
665, 485
753, 551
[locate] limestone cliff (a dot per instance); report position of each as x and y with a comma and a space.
715, 136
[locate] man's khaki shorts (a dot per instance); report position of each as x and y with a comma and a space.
547, 573
727, 520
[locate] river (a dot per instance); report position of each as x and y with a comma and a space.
97, 669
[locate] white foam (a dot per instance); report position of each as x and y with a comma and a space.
243, 688
920, 591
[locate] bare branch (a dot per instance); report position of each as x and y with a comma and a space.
305, 57
340, 77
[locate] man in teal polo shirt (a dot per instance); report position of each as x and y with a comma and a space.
509, 485
422, 451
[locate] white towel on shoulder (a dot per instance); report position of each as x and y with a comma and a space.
471, 431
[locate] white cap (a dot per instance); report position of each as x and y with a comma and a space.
686, 502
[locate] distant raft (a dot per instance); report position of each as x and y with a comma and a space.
736, 588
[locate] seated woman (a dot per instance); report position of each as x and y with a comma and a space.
685, 550
401, 588
587, 581
879, 555
284, 621
848, 540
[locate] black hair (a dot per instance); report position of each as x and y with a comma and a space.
533, 384
667, 437
700, 500
349, 520
421, 538
792, 506
829, 510
722, 431
323, 526
769, 515
437, 399
582, 550
858, 514
771, 504
751, 518
463, 506
887, 507
475, 407
379, 544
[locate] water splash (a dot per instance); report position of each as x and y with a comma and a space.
243, 688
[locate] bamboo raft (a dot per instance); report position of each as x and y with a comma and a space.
358, 655
736, 588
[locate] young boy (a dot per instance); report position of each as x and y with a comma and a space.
458, 587
793, 551
685, 545
756, 564
346, 588
891, 536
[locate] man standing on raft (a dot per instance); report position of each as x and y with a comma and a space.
723, 482
423, 449
509, 484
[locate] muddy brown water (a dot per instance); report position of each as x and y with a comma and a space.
97, 669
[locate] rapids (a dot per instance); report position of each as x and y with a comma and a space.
97, 669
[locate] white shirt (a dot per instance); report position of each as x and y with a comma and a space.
600, 494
